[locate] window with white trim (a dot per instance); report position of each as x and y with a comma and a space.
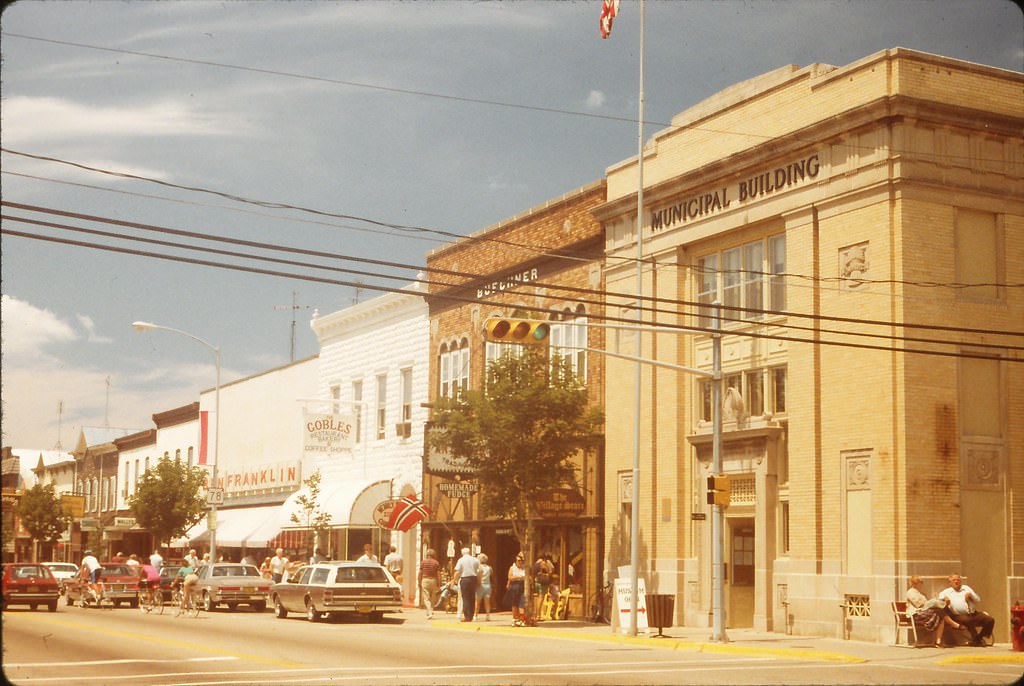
406, 395
382, 405
750, 276
751, 385
569, 339
357, 408
454, 358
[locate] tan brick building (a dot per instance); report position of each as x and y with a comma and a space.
851, 220
545, 263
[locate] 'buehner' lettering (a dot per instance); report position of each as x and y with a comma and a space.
747, 189
510, 281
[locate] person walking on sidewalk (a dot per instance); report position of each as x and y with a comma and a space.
429, 579
515, 595
467, 573
483, 590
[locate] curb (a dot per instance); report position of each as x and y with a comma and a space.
661, 643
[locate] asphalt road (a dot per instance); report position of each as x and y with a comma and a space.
124, 646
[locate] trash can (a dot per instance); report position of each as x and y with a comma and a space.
660, 609
1017, 626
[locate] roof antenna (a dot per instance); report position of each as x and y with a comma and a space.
294, 306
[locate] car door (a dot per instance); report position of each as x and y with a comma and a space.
292, 592
317, 583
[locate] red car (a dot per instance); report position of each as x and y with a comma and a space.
28, 583
120, 585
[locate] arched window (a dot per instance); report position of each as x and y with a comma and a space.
454, 366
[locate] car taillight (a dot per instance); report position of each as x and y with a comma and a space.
263, 588
328, 595
231, 588
397, 593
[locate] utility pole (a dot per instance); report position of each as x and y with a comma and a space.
293, 307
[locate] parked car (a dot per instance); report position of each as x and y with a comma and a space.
232, 584
29, 584
62, 571
168, 573
120, 585
333, 588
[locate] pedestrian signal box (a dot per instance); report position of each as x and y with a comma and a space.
522, 331
718, 490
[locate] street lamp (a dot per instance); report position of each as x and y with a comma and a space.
146, 326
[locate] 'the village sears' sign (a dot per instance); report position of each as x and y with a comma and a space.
328, 433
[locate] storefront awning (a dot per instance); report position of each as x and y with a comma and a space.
242, 526
350, 503
197, 534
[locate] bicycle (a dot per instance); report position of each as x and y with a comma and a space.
94, 595
191, 605
152, 601
600, 605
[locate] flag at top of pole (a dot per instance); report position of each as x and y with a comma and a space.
609, 8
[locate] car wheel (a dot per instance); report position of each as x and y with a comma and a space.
376, 616
260, 606
67, 600
232, 606
279, 610
312, 614
52, 607
134, 604
208, 603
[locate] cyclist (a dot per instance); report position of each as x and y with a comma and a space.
149, 578
186, 578
93, 565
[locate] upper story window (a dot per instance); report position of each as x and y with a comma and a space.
191, 456
454, 369
569, 339
335, 399
406, 395
749, 276
357, 408
763, 391
382, 405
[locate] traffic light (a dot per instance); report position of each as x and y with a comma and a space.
718, 490
522, 331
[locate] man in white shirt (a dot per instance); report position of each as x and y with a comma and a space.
960, 600
278, 564
467, 574
368, 555
393, 561
157, 560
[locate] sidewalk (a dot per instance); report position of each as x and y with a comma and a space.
740, 641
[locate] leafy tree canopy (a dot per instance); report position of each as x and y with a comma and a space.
41, 513
166, 501
519, 434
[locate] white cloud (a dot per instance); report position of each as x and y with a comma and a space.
31, 120
27, 330
90, 329
595, 99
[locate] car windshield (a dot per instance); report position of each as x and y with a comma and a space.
62, 567
116, 570
29, 572
351, 575
235, 570
170, 572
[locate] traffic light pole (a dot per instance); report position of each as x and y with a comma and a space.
717, 519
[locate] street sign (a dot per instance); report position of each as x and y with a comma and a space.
215, 496
73, 505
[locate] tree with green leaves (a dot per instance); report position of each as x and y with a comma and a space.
42, 516
310, 516
167, 502
518, 435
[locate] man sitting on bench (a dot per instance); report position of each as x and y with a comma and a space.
960, 605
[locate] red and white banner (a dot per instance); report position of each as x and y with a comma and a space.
408, 512
609, 10
207, 436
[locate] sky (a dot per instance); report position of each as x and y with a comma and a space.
376, 130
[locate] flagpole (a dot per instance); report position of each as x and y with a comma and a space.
634, 510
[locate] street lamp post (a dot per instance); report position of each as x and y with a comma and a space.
146, 326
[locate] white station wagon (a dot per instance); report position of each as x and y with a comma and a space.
333, 588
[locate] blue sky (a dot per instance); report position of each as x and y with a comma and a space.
448, 116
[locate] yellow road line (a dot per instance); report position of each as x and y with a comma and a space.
161, 641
